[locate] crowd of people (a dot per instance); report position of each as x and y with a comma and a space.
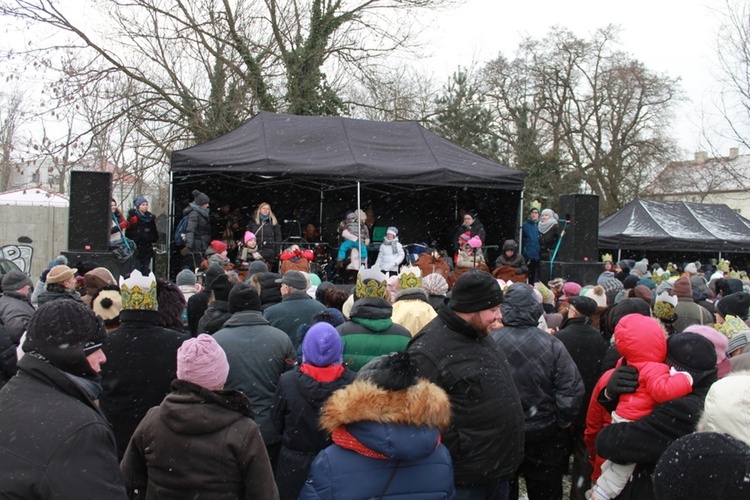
417, 381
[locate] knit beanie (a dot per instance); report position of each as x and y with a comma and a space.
64, 332
435, 284
738, 341
691, 268
320, 292
322, 345
630, 282
213, 272
15, 280
703, 465
571, 289
692, 353
203, 362
598, 294
700, 288
392, 230
604, 277
218, 246
474, 291
475, 242
255, 267
737, 304
682, 288
199, 198
612, 285
391, 372
137, 202
720, 342
243, 297
107, 303
186, 277
330, 315
248, 236
464, 237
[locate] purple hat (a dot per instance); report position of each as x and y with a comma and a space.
322, 345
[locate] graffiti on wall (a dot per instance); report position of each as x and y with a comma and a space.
20, 255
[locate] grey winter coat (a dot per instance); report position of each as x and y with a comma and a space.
545, 375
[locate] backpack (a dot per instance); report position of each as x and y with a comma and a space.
180, 232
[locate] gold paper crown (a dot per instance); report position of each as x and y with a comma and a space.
138, 291
607, 257
409, 277
370, 283
723, 265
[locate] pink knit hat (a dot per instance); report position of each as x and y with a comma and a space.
571, 289
203, 362
720, 342
248, 236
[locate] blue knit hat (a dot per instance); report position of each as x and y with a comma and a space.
137, 202
322, 345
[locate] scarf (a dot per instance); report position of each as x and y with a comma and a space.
545, 226
322, 373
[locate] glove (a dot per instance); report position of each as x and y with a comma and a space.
624, 380
134, 220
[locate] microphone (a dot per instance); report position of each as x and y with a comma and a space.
287, 221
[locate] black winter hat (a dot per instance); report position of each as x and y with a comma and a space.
475, 291
703, 465
392, 372
692, 353
199, 198
630, 282
221, 287
243, 297
213, 272
64, 332
584, 305
737, 304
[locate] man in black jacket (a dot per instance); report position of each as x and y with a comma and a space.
586, 346
549, 386
54, 441
485, 438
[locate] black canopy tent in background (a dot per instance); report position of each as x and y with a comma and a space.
675, 228
313, 169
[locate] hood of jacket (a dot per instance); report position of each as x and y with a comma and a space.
402, 424
416, 293
246, 318
371, 308
727, 407
640, 339
194, 410
520, 307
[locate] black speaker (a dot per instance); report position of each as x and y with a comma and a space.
89, 212
102, 259
581, 240
584, 273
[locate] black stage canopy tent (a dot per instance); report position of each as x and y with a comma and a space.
675, 226
314, 168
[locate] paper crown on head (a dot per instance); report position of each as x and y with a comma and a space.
536, 204
370, 283
409, 277
732, 326
138, 291
607, 257
664, 305
723, 265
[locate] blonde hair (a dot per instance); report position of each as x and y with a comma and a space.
256, 214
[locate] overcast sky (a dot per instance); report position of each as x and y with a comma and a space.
673, 37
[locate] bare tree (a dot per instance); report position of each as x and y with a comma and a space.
581, 111
12, 115
733, 55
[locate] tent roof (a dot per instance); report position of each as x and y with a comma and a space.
344, 149
675, 226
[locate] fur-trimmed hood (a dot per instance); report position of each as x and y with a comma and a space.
416, 293
422, 404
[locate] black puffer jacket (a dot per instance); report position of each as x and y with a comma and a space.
214, 318
198, 233
7, 357
296, 416
54, 442
546, 377
485, 437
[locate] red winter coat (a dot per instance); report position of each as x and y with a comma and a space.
641, 341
